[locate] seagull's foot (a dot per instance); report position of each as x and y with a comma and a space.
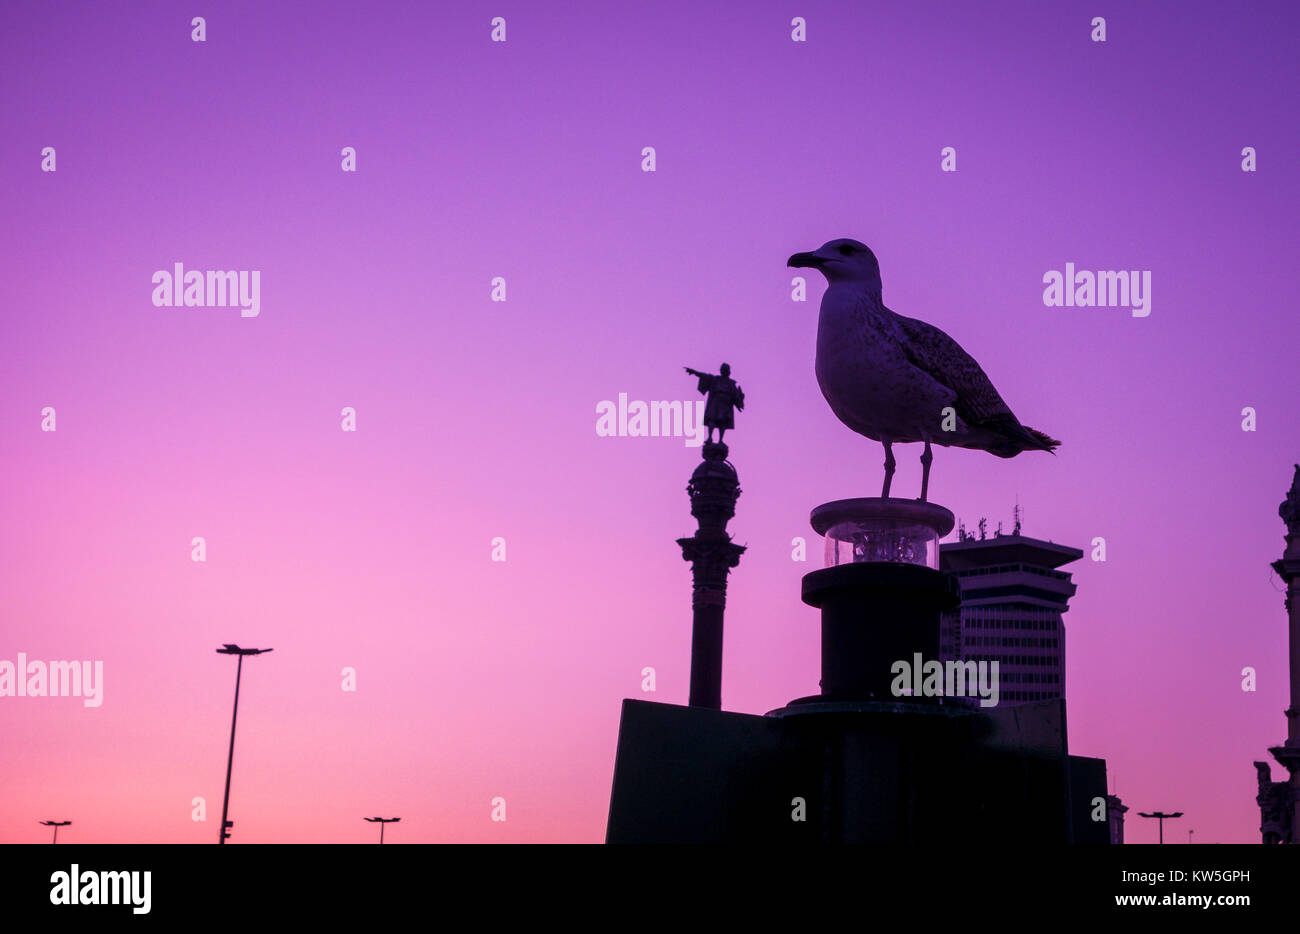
889, 470
927, 457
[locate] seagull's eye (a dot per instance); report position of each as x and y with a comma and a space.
846, 250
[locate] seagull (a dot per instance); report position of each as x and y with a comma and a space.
891, 378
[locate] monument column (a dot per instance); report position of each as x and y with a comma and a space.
714, 489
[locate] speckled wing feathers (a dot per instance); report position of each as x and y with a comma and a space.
934, 352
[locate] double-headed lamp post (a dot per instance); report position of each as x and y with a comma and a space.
381, 821
56, 824
1162, 816
232, 649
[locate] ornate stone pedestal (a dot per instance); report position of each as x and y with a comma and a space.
714, 489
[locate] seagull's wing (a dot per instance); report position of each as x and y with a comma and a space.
934, 352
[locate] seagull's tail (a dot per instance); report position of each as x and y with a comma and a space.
1045, 442
1015, 437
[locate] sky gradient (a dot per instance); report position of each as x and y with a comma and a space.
476, 419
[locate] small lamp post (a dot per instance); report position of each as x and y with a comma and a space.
1162, 817
381, 821
56, 824
231, 649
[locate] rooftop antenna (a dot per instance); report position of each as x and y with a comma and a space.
1018, 514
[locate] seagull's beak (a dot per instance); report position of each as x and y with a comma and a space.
805, 259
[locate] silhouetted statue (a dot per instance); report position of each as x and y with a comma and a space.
724, 397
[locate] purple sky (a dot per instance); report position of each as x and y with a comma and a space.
476, 419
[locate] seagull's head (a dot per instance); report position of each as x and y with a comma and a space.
842, 260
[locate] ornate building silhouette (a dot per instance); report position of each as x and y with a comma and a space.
1278, 810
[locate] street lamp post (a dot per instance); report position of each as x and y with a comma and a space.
56, 824
381, 821
1162, 816
232, 649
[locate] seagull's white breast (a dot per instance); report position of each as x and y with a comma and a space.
865, 375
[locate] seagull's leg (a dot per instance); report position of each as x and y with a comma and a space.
926, 458
889, 468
